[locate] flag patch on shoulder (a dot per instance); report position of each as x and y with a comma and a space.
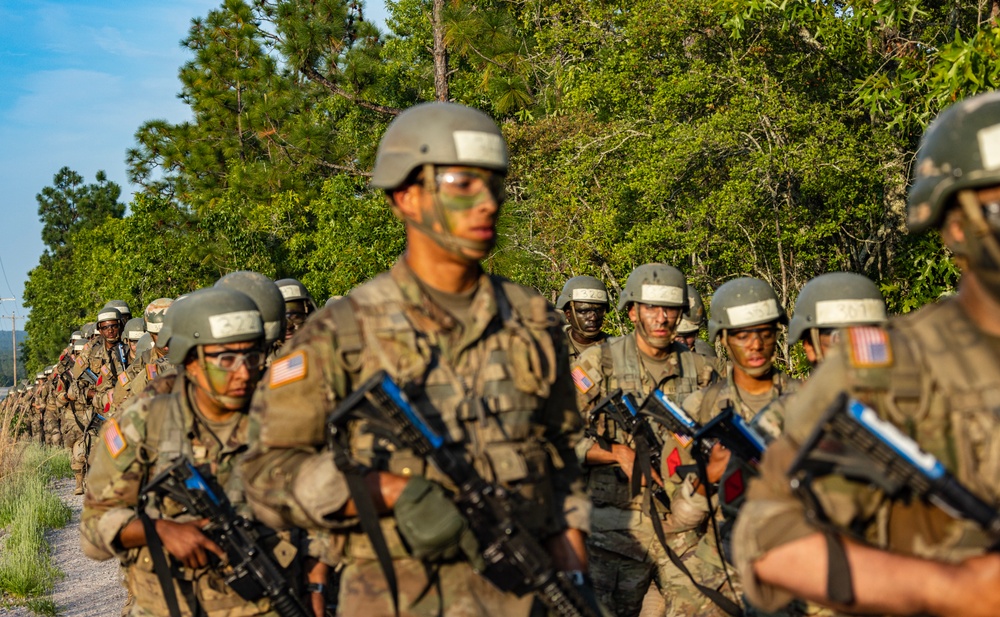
79, 361
583, 383
151, 371
869, 347
123, 379
288, 369
114, 439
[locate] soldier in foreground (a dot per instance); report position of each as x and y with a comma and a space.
484, 358
584, 302
218, 338
691, 324
932, 374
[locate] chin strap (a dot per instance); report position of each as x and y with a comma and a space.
759, 371
814, 336
579, 330
981, 248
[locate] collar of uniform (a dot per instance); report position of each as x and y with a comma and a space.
484, 303
672, 360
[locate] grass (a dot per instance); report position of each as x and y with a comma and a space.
27, 510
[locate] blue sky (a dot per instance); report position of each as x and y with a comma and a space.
78, 78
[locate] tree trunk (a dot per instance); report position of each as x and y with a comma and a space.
440, 53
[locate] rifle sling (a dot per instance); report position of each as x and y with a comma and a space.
159, 558
369, 518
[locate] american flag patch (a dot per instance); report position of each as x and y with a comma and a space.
79, 361
288, 369
123, 379
113, 438
105, 370
583, 383
151, 372
682, 439
869, 347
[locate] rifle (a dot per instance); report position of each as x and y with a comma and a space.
727, 428
253, 573
622, 409
514, 560
852, 441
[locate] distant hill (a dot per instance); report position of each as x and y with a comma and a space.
5, 339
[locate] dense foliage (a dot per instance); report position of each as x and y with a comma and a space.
728, 137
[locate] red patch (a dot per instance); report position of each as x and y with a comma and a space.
733, 487
107, 406
673, 462
100, 380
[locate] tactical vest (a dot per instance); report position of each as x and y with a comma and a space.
488, 403
943, 388
608, 484
723, 395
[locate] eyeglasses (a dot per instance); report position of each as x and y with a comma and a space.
296, 318
464, 189
231, 361
109, 327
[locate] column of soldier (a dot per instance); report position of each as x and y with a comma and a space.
449, 444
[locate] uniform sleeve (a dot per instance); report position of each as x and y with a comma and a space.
588, 387
773, 515
113, 484
290, 480
564, 428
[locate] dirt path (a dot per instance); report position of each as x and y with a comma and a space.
91, 588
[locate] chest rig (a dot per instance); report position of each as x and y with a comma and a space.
485, 388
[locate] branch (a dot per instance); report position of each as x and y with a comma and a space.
315, 75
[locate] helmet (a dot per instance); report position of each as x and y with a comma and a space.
164, 335
153, 315
294, 291
695, 318
741, 303
134, 329
212, 316
331, 300
49, 369
39, 376
836, 300
76, 336
960, 150
144, 343
655, 284
122, 307
438, 134
89, 329
265, 294
108, 313
583, 289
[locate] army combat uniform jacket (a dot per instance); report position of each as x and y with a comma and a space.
935, 376
499, 390
147, 437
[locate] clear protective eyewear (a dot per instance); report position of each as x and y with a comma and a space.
231, 361
466, 188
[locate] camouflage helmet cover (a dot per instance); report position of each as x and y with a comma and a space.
742, 303
695, 318
583, 289
655, 284
960, 150
214, 316
154, 313
836, 300
438, 134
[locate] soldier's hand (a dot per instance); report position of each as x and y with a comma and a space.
718, 460
187, 543
625, 457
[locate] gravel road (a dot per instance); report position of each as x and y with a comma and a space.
91, 588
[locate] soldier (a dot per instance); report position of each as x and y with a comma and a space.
152, 362
690, 326
133, 331
625, 553
121, 306
484, 357
826, 304
933, 374
264, 292
52, 423
108, 358
218, 338
38, 408
299, 304
584, 301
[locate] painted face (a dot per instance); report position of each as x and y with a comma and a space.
752, 349
232, 372
655, 324
687, 339
586, 318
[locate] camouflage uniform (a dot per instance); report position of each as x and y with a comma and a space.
499, 386
937, 382
154, 432
625, 553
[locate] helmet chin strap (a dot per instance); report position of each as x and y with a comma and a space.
590, 336
981, 248
641, 329
814, 337
226, 401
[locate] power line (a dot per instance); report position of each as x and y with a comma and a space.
4, 271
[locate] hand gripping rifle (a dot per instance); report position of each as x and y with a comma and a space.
252, 572
622, 409
514, 560
852, 441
